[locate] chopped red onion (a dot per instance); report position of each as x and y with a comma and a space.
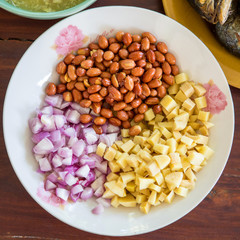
49, 185
70, 179
105, 202
90, 136
54, 101
91, 148
65, 104
62, 174
45, 146
69, 132
52, 177
35, 125
87, 193
112, 129
55, 136
65, 152
57, 161
57, 111
71, 142
77, 189
44, 165
83, 171
48, 122
99, 192
73, 117
99, 209
47, 110
85, 159
80, 109
62, 193
97, 173
108, 139
102, 167
78, 148
67, 161
98, 182
36, 138
59, 121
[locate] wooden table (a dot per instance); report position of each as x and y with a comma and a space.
217, 217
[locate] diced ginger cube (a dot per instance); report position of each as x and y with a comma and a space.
136, 149
101, 149
170, 197
124, 140
146, 192
208, 124
193, 118
110, 154
159, 118
140, 140
165, 111
185, 164
132, 160
146, 133
155, 187
118, 155
168, 103
119, 144
199, 90
173, 180
160, 148
188, 104
114, 146
144, 182
181, 77
181, 191
162, 196
152, 122
181, 149
152, 197
115, 202
201, 102
108, 194
149, 115
167, 125
194, 125
180, 96
177, 135
203, 116
204, 131
190, 175
189, 130
131, 187
187, 89
152, 168
174, 157
201, 139
115, 188
166, 171
154, 138
127, 169
127, 177
159, 178
114, 166
186, 140
122, 161
195, 158
146, 156
125, 132
140, 198
173, 113
175, 166
179, 125
112, 176
162, 161
126, 147
172, 90
196, 168
167, 134
145, 207
128, 201
172, 143
206, 151
187, 184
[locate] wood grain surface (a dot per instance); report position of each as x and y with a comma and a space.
216, 217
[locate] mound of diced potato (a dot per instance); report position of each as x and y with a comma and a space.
161, 162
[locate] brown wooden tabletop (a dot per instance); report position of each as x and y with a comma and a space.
216, 217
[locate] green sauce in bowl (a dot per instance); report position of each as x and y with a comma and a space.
44, 5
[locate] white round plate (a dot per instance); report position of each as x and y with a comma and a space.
37, 67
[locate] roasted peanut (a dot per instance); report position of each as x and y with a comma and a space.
70, 85
112, 40
114, 47
130, 114
175, 70
61, 68
154, 83
99, 55
61, 88
114, 81
127, 64
142, 108
170, 58
107, 113
137, 71
78, 59
107, 63
93, 46
138, 118
157, 109
153, 47
109, 100
123, 53
114, 93
148, 75
136, 102
158, 73
105, 75
116, 58
84, 51
85, 94
135, 130
77, 96
129, 97
108, 55
51, 89
156, 64
80, 71
127, 39
150, 56
86, 64
85, 118
152, 101
128, 108
62, 79
115, 121
95, 81
114, 67
102, 42
93, 72
100, 120
97, 129
166, 68
126, 124
141, 63
153, 93
161, 91
123, 90
106, 82
137, 89
80, 86
68, 59
85, 103
148, 66
119, 36
145, 44
103, 92
93, 89
120, 77
119, 106
151, 37
128, 83
165, 85
67, 96
122, 115
72, 72
169, 79
95, 97
134, 47
96, 107
162, 47
136, 56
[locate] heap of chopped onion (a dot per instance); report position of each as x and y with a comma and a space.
65, 151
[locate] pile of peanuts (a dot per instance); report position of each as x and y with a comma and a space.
118, 78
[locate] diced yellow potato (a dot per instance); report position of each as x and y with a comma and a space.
141, 169
154, 138
177, 135
119, 144
201, 102
101, 149
155, 187
202, 139
187, 89
187, 184
181, 191
204, 131
181, 149
114, 166
147, 148
165, 132
206, 151
125, 132
195, 158
115, 202
172, 143
193, 118
152, 122
127, 177
165, 111
172, 90
175, 163
199, 90
115, 188
180, 96
131, 187
136, 149
120, 183
196, 168
162, 141
140, 140
144, 182
140, 198
149, 115
161, 197
162, 161
192, 146
122, 161
132, 160
166, 171
173, 113
185, 164
160, 148
112, 176
170, 197
146, 156
203, 116
152, 168
173, 180
152, 197
110, 154
146, 133
127, 169
188, 104
194, 125
159, 118
124, 140
159, 178
126, 147
118, 155
208, 124
186, 140
128, 201
146, 192
108, 194
114, 146
145, 207
179, 125
189, 130
167, 125
190, 175
168, 103
181, 77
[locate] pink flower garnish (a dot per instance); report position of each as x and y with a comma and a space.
69, 39
216, 99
